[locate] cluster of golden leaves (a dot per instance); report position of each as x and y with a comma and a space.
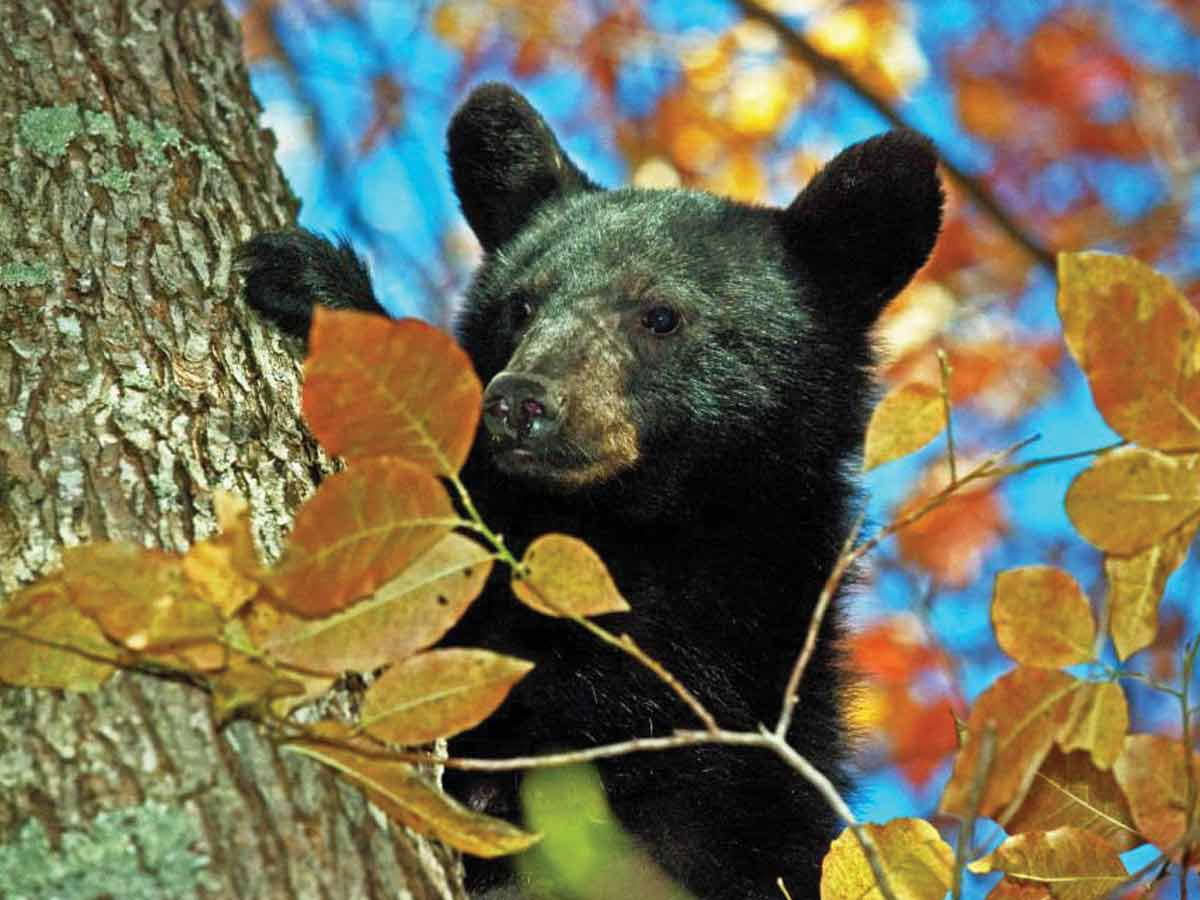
1043, 752
376, 571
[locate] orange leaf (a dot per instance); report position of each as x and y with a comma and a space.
1073, 864
439, 694
375, 387
1027, 709
1097, 722
45, 642
359, 530
1012, 889
907, 419
1150, 770
1070, 790
1132, 498
407, 614
410, 798
140, 598
1042, 618
564, 576
1135, 589
1136, 338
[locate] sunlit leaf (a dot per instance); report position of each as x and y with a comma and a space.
1026, 709
139, 597
359, 529
45, 642
1012, 889
1136, 338
1042, 618
906, 419
1150, 770
1135, 589
1097, 722
439, 694
918, 863
410, 798
376, 387
1132, 498
1071, 790
1073, 864
224, 569
564, 576
405, 615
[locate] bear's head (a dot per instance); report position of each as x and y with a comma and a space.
658, 341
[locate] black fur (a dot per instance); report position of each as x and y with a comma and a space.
721, 520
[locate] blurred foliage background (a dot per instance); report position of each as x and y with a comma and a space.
1064, 125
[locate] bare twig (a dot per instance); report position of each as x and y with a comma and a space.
966, 831
826, 65
944, 364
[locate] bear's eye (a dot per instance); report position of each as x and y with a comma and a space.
520, 310
660, 320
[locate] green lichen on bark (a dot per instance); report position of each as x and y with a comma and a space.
48, 130
137, 853
15, 275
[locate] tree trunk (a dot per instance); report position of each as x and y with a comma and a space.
133, 383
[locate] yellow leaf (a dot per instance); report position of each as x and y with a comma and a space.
1073, 864
139, 597
439, 694
907, 419
224, 569
410, 798
376, 387
1026, 709
1097, 722
407, 614
919, 865
1071, 790
1132, 498
45, 642
360, 529
1042, 618
1135, 589
246, 684
1135, 337
564, 576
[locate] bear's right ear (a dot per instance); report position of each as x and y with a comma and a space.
505, 163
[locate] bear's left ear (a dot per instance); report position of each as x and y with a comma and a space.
867, 221
505, 163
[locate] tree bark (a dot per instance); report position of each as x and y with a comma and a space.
133, 383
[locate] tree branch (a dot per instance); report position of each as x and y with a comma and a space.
800, 46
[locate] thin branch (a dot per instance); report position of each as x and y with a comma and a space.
966, 831
791, 693
971, 185
944, 365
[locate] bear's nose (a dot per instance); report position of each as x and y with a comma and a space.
519, 408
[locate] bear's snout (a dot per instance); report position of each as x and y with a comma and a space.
520, 409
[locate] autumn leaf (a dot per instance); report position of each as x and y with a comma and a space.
410, 798
439, 694
1097, 722
918, 863
1042, 617
564, 576
1135, 337
46, 642
376, 387
1072, 864
1150, 770
1071, 790
140, 598
248, 685
1013, 889
358, 530
906, 419
1135, 589
1132, 498
224, 570
409, 613
1026, 708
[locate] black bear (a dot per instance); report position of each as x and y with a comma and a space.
682, 381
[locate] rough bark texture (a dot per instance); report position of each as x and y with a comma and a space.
132, 384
